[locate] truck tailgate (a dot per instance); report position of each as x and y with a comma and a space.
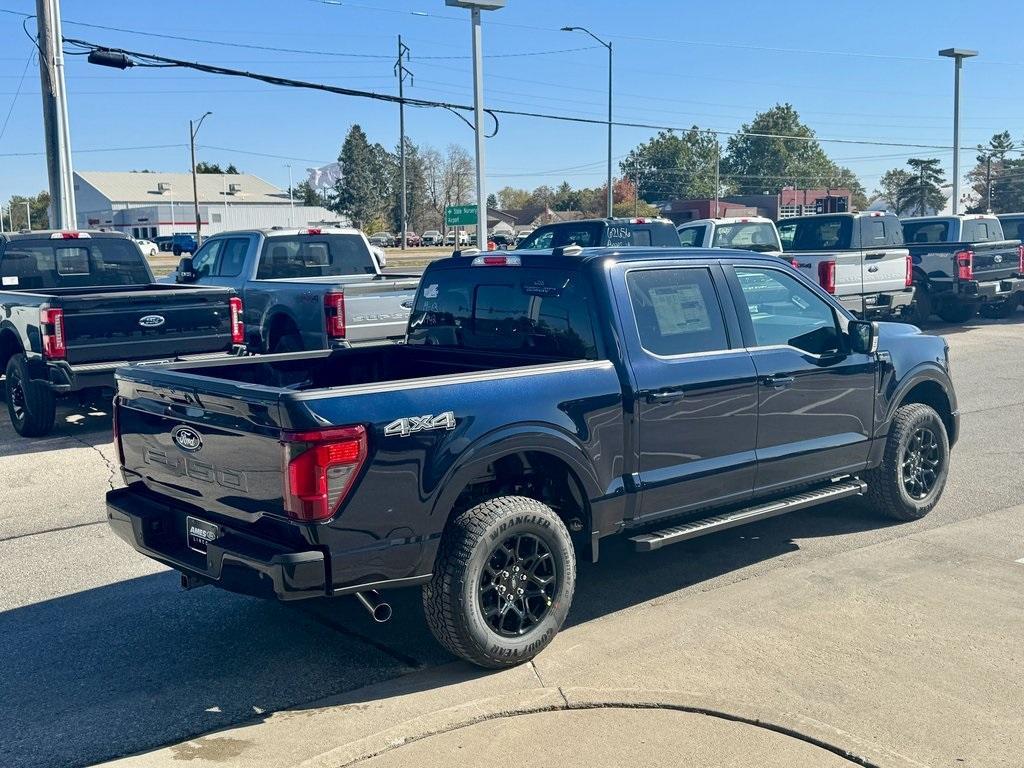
189, 445
885, 270
378, 309
995, 260
146, 324
848, 275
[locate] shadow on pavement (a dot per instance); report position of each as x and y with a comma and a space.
75, 421
137, 664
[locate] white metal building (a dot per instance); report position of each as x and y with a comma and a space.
148, 205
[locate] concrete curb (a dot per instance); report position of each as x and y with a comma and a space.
822, 735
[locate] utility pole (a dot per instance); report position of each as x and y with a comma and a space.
192, 131
401, 71
988, 182
56, 131
291, 198
28, 215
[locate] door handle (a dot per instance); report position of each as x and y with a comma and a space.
664, 395
778, 382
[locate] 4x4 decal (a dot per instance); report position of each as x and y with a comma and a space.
411, 424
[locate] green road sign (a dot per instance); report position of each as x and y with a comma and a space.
459, 215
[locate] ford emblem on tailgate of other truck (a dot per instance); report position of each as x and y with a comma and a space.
151, 321
187, 439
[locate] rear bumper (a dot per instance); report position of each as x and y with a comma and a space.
996, 290
879, 304
65, 377
236, 561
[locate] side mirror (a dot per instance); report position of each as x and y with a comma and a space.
863, 336
186, 271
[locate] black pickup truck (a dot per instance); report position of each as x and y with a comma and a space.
962, 265
543, 400
74, 306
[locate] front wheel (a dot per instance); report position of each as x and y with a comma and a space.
31, 404
915, 465
503, 582
954, 311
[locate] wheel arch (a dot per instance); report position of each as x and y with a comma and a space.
277, 318
927, 388
550, 465
10, 345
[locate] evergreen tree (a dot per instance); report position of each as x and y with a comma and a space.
364, 190
923, 186
991, 165
492, 200
893, 186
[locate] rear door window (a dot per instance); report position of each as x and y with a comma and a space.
925, 232
233, 256
981, 231
1013, 229
585, 234
314, 256
677, 310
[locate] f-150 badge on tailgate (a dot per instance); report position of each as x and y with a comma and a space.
411, 424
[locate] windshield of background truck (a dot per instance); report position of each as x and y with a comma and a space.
819, 233
43, 264
749, 236
558, 235
544, 312
314, 256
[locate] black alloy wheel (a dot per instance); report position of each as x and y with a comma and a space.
518, 584
922, 460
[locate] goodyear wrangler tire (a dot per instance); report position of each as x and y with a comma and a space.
503, 582
915, 465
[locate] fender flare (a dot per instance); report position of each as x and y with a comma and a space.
8, 330
273, 315
536, 438
927, 371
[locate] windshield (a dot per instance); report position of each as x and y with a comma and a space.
749, 236
535, 311
315, 256
44, 264
817, 233
570, 233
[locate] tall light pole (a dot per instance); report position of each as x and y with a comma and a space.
475, 6
28, 215
192, 131
958, 55
56, 131
607, 45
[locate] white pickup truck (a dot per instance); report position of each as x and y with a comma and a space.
858, 257
748, 233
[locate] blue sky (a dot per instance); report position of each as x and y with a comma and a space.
867, 72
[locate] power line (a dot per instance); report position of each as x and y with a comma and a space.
17, 92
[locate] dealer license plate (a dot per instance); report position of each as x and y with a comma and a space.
200, 533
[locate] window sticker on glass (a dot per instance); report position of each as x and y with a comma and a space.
10, 280
543, 288
680, 309
618, 236
72, 261
430, 292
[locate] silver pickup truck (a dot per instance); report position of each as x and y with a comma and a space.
309, 288
858, 257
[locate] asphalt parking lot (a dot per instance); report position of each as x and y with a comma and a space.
105, 656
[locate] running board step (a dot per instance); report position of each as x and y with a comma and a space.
648, 542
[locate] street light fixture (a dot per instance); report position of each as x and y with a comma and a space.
192, 131
607, 45
958, 55
475, 6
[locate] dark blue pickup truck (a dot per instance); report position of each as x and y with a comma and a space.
543, 401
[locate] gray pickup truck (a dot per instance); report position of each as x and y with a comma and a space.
311, 288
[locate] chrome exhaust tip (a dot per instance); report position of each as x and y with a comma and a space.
375, 606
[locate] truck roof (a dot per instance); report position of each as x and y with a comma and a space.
58, 234
615, 220
961, 216
291, 231
558, 257
727, 220
846, 214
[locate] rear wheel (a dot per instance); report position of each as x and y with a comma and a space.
30, 404
287, 341
910, 480
957, 311
503, 582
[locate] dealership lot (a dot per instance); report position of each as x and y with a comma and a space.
106, 656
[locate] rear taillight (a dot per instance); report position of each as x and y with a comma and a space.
827, 275
964, 265
1020, 260
334, 311
909, 279
52, 322
237, 326
320, 468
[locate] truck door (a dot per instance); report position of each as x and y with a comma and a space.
695, 388
815, 397
884, 267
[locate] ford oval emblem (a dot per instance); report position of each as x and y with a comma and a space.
998, 259
187, 439
152, 321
